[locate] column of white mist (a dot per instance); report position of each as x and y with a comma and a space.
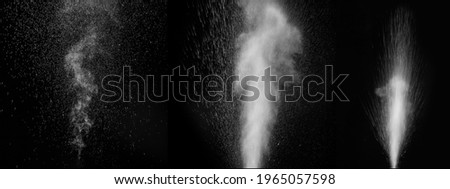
397, 102
400, 89
269, 42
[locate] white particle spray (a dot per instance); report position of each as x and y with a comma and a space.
270, 41
394, 114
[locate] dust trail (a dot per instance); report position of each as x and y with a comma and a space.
270, 41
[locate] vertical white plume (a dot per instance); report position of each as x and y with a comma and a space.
270, 41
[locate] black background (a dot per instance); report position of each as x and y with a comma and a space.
35, 103
361, 25
36, 96
344, 136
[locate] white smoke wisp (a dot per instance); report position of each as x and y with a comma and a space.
270, 41
87, 18
83, 83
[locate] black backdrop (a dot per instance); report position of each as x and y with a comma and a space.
35, 103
